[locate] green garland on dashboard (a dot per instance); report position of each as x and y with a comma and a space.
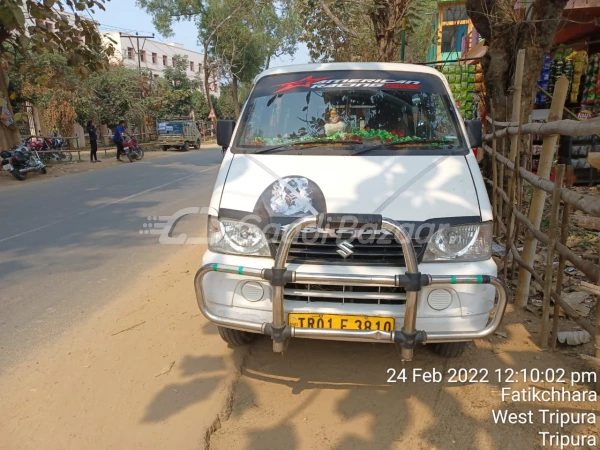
356, 135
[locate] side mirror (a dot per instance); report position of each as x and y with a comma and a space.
474, 133
225, 132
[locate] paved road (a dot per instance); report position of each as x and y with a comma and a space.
68, 245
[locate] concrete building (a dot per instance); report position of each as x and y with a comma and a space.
155, 56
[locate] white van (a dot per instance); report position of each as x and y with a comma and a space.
350, 206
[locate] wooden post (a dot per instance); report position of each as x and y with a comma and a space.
564, 232
519, 208
512, 197
516, 118
539, 197
560, 173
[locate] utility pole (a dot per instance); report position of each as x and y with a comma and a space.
138, 37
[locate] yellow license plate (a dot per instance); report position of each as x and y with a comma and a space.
340, 322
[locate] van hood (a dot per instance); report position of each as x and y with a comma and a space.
416, 188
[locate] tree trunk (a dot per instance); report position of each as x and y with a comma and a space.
206, 77
234, 94
506, 31
9, 136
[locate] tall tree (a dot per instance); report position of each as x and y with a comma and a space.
507, 30
346, 30
239, 36
73, 36
207, 16
178, 90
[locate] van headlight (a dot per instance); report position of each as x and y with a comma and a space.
236, 238
466, 243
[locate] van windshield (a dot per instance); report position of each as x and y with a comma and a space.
333, 110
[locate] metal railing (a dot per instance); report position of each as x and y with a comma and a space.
412, 280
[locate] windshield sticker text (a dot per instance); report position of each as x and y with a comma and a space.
326, 82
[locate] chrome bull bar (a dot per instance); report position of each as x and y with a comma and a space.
412, 280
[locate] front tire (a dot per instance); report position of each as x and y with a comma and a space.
198, 144
43, 171
18, 175
165, 148
450, 349
236, 338
186, 147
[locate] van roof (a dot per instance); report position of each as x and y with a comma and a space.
319, 67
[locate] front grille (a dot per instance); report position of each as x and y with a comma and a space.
370, 295
322, 249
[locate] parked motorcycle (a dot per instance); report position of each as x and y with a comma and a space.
132, 149
50, 149
21, 160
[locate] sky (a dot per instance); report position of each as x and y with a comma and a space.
124, 15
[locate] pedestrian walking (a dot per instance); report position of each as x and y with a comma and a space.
118, 139
91, 129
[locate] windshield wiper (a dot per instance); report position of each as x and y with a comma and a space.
312, 143
398, 143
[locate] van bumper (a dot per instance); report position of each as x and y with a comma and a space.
412, 281
467, 316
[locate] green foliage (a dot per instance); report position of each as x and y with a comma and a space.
420, 35
77, 40
23, 31
117, 94
239, 36
179, 94
326, 41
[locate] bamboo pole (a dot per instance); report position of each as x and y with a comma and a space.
560, 173
516, 115
565, 127
494, 173
519, 208
510, 218
586, 203
590, 270
567, 110
564, 232
539, 196
563, 304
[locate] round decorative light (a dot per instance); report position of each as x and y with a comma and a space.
439, 299
252, 291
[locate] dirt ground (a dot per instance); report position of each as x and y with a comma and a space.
55, 170
337, 396
143, 373
149, 372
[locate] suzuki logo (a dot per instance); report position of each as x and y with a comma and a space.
345, 249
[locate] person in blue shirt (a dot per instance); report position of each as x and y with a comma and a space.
118, 139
